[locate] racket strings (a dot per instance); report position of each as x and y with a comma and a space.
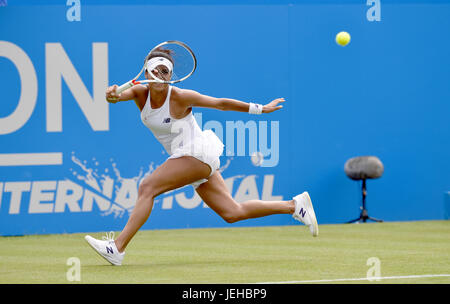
183, 61
182, 58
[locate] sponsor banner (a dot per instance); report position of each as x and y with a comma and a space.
71, 162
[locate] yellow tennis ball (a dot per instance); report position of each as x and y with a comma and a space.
343, 38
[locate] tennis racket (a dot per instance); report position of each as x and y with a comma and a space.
169, 62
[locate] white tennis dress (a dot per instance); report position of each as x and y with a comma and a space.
182, 137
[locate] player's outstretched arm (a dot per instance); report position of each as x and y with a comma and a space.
194, 99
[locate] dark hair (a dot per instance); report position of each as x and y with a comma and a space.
161, 52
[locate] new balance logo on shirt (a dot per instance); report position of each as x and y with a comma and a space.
166, 120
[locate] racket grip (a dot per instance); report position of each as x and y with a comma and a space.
125, 86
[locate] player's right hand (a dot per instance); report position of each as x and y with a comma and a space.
111, 94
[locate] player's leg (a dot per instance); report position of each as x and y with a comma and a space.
172, 174
216, 195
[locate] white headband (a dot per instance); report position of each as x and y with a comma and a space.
155, 61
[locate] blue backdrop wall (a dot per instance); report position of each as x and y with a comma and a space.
71, 162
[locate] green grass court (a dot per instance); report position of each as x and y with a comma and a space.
241, 255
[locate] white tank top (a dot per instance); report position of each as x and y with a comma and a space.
166, 128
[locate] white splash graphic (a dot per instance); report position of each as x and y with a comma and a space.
227, 164
116, 194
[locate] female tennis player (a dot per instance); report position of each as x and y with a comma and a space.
194, 157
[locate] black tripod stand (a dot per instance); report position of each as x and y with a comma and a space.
364, 214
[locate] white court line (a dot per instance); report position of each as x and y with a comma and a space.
31, 159
361, 279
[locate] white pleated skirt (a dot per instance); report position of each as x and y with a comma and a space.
206, 147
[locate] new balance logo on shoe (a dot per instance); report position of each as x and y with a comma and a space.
302, 212
109, 250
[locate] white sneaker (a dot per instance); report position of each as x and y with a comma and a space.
304, 212
106, 248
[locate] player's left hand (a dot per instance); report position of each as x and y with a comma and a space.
273, 105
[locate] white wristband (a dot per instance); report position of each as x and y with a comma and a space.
255, 108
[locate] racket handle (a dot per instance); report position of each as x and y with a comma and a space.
125, 86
